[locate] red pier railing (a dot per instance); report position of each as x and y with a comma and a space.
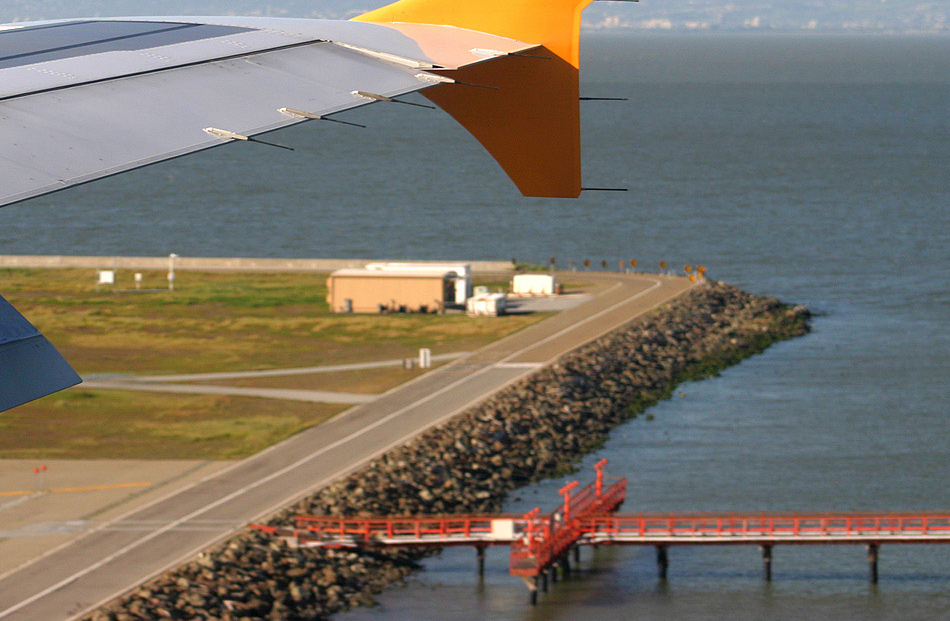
540, 542
766, 529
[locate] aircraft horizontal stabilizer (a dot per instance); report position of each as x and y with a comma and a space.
30, 367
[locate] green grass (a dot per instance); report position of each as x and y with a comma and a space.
83, 424
212, 322
220, 322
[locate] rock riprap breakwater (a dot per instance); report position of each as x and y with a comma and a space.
533, 429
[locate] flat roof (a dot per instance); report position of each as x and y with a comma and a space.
364, 273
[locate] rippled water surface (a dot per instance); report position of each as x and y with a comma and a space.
816, 170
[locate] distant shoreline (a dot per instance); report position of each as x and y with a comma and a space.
231, 264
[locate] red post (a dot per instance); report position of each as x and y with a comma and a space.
599, 467
566, 492
529, 518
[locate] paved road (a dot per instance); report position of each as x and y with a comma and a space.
230, 375
164, 383
289, 394
123, 552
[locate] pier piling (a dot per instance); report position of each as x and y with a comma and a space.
767, 562
532, 585
565, 563
662, 562
872, 562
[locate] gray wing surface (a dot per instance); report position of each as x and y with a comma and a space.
106, 97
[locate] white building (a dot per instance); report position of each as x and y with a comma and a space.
534, 284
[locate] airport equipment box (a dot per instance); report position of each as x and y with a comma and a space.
487, 305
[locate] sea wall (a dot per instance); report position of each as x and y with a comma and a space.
217, 264
534, 429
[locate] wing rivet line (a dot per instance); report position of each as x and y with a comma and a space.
226, 135
309, 115
376, 97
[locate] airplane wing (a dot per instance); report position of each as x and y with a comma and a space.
85, 99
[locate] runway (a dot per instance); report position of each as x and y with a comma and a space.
122, 552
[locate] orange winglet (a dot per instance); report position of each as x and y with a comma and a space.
531, 123
553, 23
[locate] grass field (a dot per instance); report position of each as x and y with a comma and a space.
211, 322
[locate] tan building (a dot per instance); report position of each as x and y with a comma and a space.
376, 291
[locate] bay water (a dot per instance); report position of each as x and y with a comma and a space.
812, 168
